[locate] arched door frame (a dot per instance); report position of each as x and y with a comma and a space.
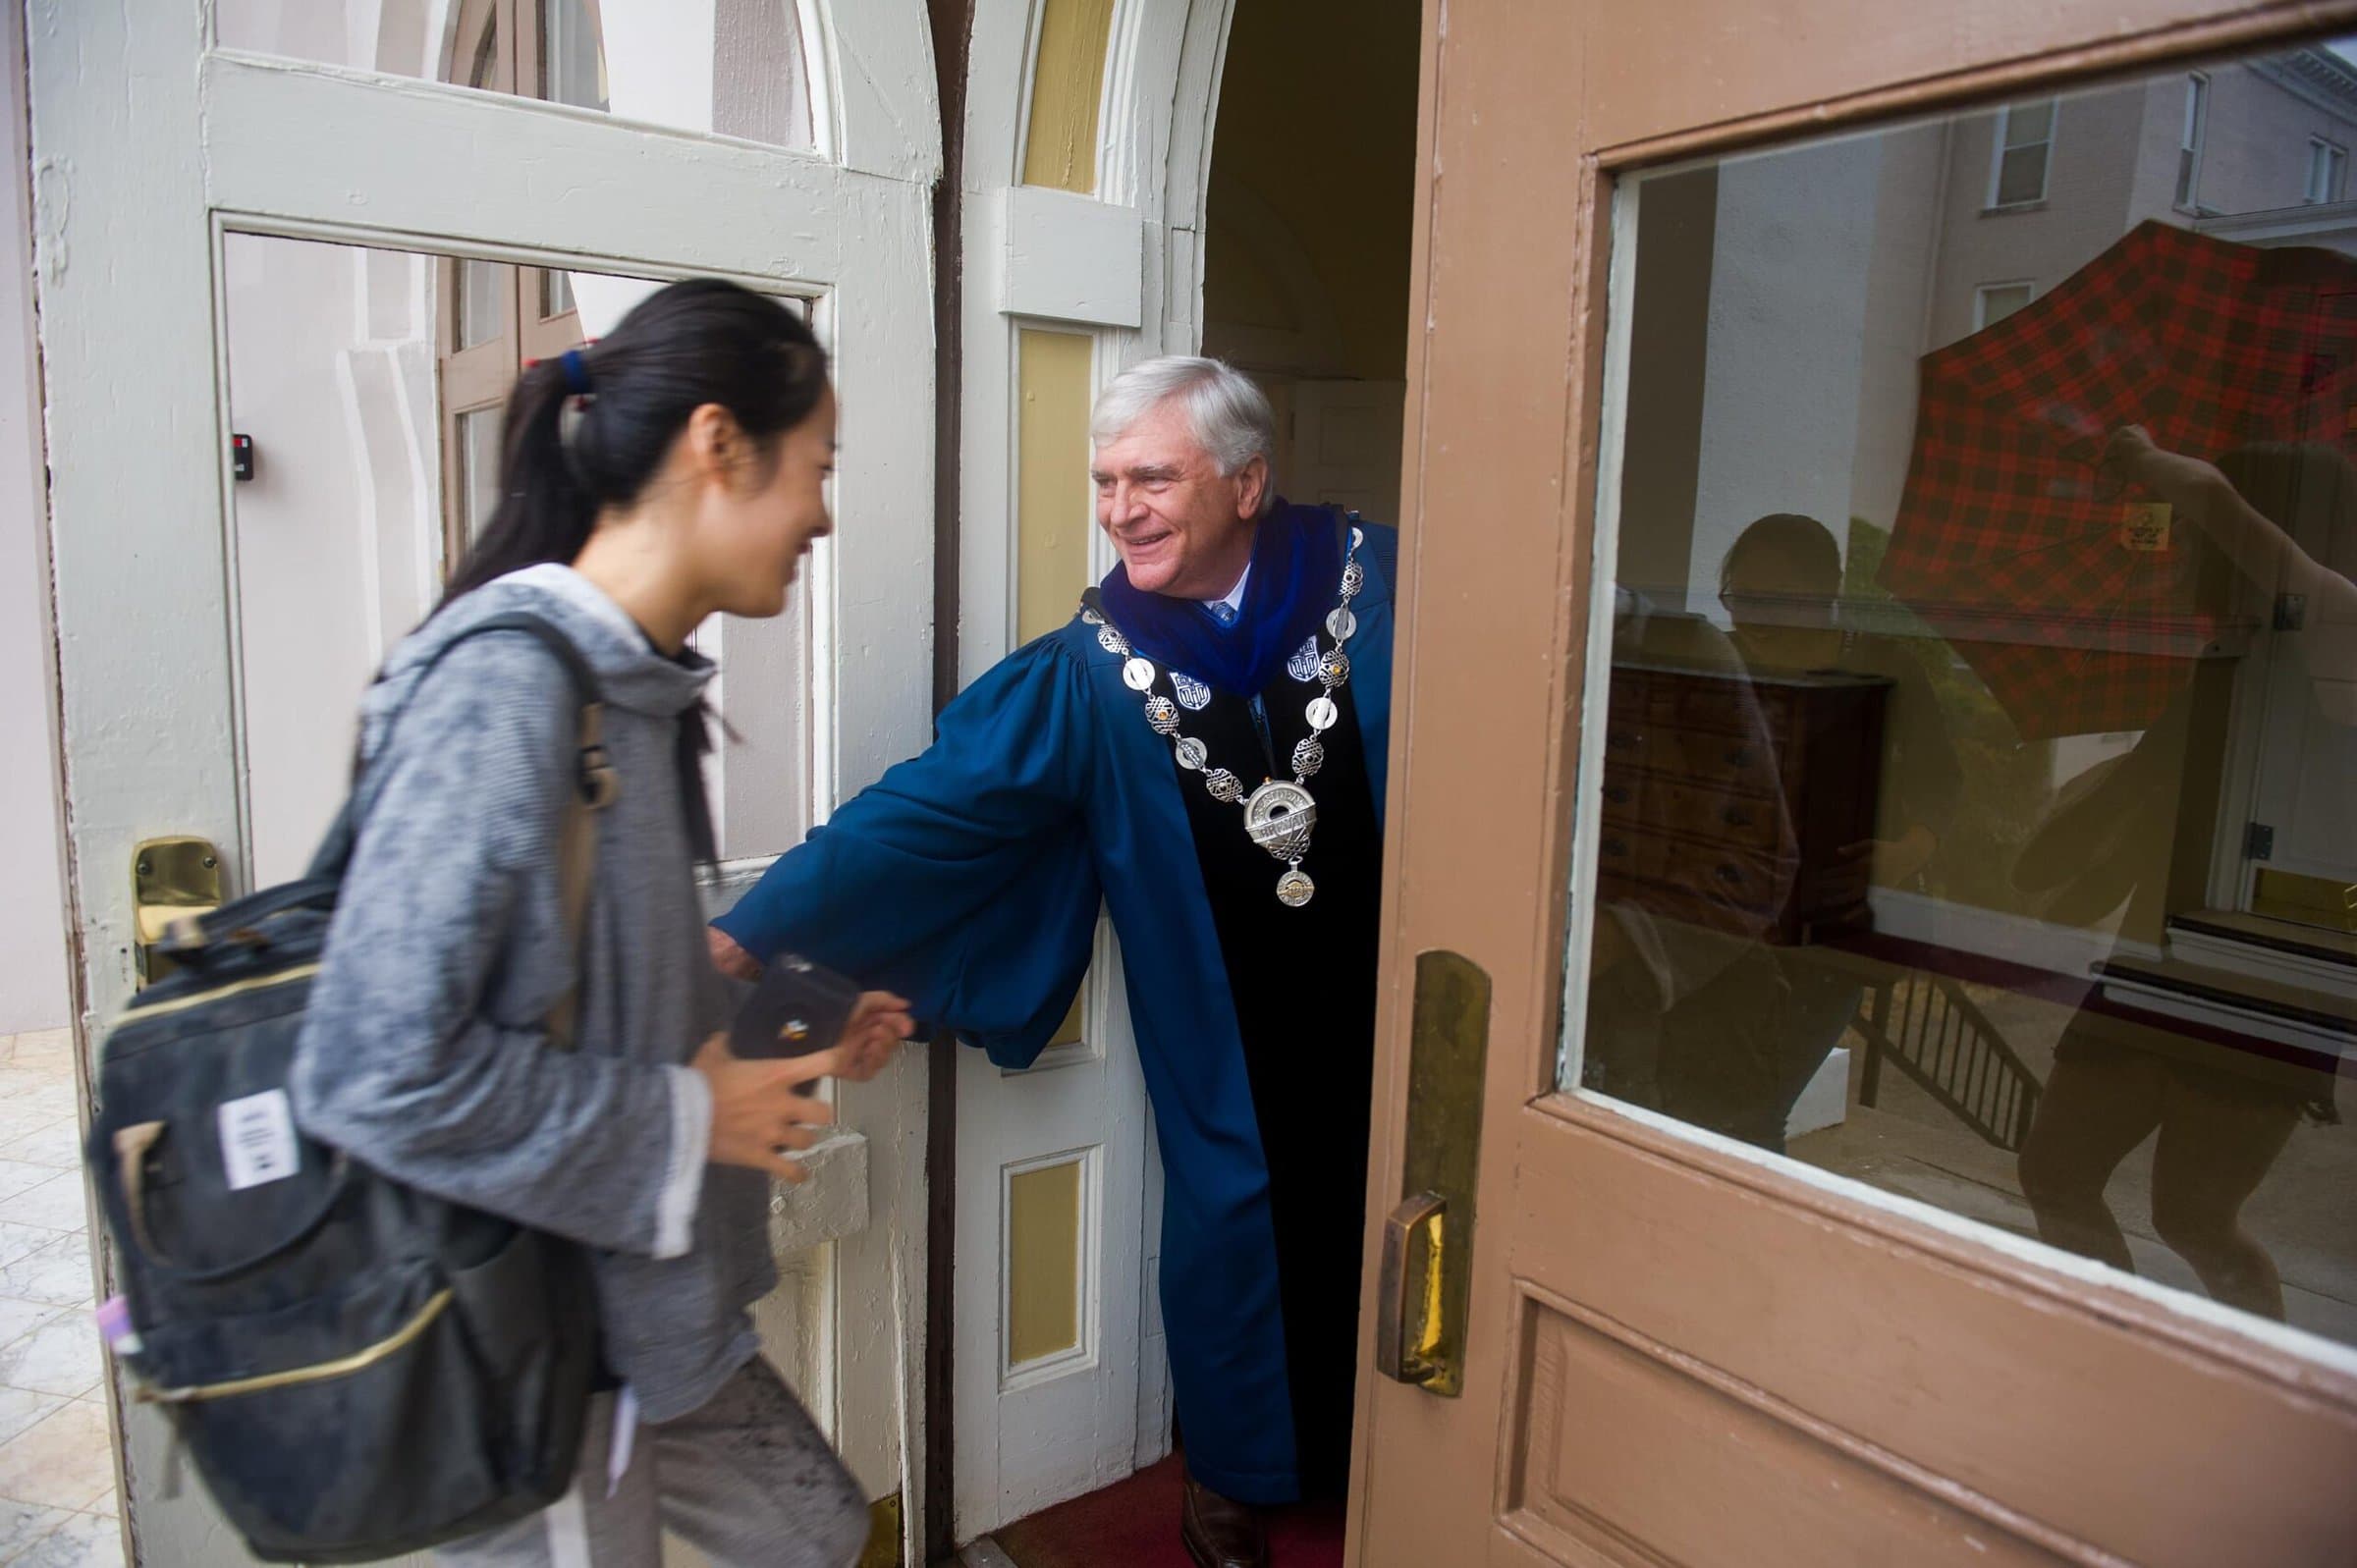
1158, 110
1121, 266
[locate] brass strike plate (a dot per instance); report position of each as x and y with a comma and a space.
883, 1533
170, 879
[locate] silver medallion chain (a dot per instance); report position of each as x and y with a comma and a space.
1278, 816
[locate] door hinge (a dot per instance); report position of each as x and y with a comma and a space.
2258, 840
2291, 612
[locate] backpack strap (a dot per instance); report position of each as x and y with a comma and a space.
595, 787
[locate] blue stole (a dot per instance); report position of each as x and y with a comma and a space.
1296, 575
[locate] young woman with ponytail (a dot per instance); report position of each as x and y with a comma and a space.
671, 473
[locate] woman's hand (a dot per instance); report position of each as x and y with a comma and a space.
728, 957
878, 1025
2131, 457
758, 1108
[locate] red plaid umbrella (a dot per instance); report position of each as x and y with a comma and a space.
2080, 613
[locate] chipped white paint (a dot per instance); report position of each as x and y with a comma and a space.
148, 147
832, 1206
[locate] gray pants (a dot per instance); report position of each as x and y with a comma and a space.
748, 1478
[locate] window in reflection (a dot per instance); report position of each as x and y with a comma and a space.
1973, 810
734, 68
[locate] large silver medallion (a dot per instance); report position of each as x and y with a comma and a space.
1278, 817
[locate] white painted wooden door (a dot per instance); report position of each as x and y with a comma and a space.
1344, 448
167, 167
1120, 267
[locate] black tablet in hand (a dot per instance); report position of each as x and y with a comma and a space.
796, 1008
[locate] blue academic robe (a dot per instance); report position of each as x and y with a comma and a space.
969, 880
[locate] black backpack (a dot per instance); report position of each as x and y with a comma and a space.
356, 1369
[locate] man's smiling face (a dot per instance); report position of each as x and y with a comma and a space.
1181, 527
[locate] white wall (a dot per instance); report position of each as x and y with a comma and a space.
1784, 367
35, 993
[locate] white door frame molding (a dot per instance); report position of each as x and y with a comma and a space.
148, 146
1122, 266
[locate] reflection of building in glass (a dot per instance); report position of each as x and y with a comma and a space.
1838, 265
2113, 862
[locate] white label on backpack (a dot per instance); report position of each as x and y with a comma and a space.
258, 1140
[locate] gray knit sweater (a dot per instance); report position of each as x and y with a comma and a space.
425, 1054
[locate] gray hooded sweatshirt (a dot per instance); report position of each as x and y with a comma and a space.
424, 1054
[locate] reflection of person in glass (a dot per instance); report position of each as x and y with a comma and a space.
2222, 1108
1685, 1001
1780, 583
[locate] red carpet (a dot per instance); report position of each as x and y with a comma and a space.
1135, 1525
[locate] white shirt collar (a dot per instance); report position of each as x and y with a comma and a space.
1234, 598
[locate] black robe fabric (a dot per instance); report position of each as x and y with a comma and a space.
1304, 987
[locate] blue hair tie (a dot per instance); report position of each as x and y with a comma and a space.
577, 373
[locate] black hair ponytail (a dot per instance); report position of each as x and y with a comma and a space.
589, 429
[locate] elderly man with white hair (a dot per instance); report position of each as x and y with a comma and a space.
1201, 750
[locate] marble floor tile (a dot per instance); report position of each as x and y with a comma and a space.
21, 1241
18, 1317
59, 1273
84, 1541
21, 1408
57, 1146
60, 1202
61, 1357
22, 1524
65, 1460
18, 1175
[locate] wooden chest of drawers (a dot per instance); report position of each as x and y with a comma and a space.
1729, 797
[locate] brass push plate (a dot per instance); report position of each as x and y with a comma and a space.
1427, 1276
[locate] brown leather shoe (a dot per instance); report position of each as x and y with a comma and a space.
1219, 1531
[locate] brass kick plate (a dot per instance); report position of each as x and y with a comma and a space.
1428, 1241
171, 880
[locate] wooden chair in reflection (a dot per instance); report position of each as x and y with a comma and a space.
1925, 1025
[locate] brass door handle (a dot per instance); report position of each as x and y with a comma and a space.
1409, 1314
